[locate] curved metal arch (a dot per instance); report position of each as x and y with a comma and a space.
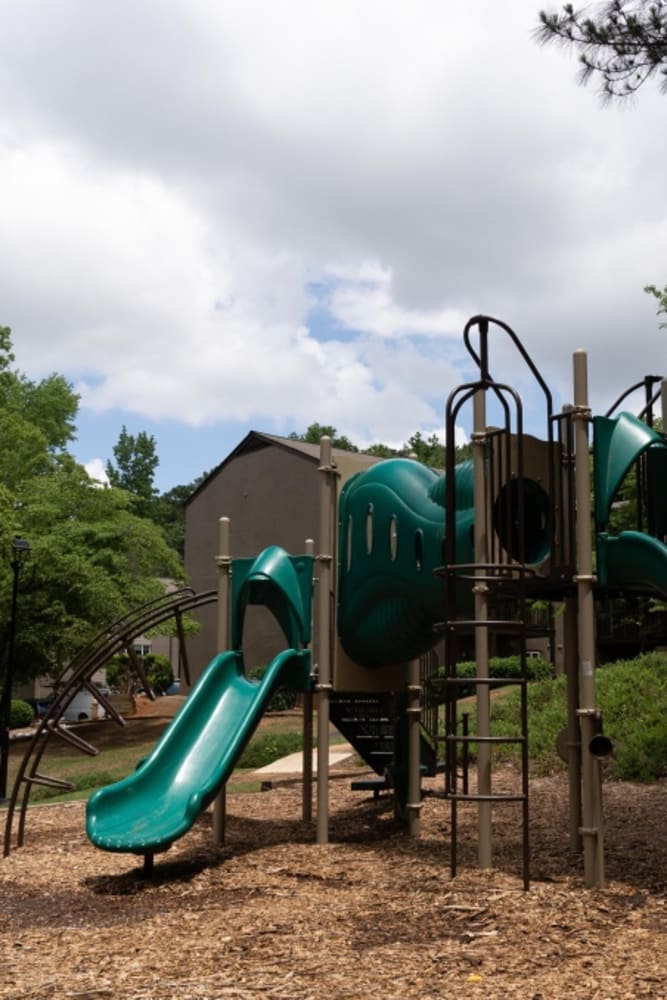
107, 643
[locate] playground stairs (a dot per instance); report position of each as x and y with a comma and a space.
370, 724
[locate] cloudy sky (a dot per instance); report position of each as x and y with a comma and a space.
219, 216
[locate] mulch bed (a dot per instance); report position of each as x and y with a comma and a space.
372, 914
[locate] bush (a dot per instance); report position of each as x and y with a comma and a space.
159, 672
21, 714
281, 700
122, 677
505, 667
632, 696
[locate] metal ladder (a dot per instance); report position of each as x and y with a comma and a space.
502, 577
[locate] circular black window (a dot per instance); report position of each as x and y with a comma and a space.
521, 516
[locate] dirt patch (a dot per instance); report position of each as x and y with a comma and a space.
372, 914
164, 707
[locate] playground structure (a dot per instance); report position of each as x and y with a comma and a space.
407, 557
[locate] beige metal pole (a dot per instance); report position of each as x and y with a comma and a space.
570, 652
481, 592
224, 563
325, 634
591, 806
307, 786
414, 803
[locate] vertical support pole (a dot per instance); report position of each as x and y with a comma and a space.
480, 591
325, 636
663, 404
413, 805
224, 563
570, 654
307, 785
591, 778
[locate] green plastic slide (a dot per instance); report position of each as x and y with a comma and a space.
617, 444
145, 812
632, 560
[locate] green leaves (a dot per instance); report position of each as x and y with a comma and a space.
623, 45
134, 471
430, 451
93, 557
661, 296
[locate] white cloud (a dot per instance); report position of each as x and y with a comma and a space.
96, 469
164, 226
366, 303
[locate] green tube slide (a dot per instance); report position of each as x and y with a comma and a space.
145, 812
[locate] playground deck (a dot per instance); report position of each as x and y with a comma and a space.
373, 914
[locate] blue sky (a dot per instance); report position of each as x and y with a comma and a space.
277, 214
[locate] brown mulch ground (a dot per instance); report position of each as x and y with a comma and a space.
372, 914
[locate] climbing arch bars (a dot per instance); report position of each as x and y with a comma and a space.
111, 640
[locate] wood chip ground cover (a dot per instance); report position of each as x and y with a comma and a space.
372, 914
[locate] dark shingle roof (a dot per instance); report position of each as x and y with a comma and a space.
255, 440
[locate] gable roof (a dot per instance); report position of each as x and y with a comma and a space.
256, 440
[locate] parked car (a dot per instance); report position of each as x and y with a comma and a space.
42, 705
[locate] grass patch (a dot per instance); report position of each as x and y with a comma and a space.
122, 749
267, 747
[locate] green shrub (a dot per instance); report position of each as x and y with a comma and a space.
21, 714
122, 677
282, 698
632, 696
508, 667
159, 672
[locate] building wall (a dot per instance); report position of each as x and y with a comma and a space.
272, 498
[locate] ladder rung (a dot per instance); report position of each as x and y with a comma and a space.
485, 739
461, 797
480, 680
499, 623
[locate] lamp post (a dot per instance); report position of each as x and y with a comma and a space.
20, 550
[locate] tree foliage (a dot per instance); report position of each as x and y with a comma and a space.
315, 432
661, 296
136, 461
122, 677
619, 43
430, 451
92, 558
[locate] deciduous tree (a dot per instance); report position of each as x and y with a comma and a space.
92, 558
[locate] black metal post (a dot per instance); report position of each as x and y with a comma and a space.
20, 549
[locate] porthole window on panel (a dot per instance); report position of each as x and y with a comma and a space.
348, 554
369, 529
419, 548
393, 537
